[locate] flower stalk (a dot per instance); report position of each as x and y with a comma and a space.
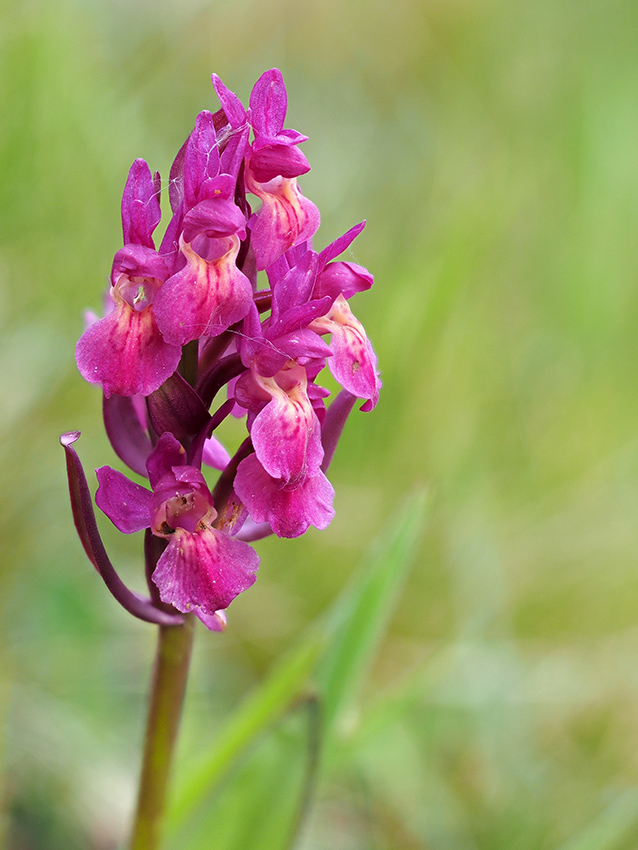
170, 675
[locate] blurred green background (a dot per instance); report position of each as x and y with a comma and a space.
493, 148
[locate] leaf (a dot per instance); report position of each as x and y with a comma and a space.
361, 616
260, 803
258, 713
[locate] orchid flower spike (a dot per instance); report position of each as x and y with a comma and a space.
192, 335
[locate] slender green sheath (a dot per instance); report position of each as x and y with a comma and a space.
167, 695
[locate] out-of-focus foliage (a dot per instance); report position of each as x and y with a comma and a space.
492, 147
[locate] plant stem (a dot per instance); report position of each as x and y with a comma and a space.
167, 695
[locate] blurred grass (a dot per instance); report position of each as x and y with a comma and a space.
491, 146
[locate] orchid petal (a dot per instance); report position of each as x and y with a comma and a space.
140, 205
204, 572
215, 622
217, 217
232, 156
268, 104
125, 503
204, 298
286, 433
342, 279
215, 454
295, 287
286, 218
252, 531
332, 251
167, 454
278, 160
201, 157
302, 315
126, 353
296, 345
353, 363
231, 104
138, 261
289, 510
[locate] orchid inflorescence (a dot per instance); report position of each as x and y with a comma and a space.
188, 319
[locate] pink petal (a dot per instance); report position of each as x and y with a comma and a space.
205, 571
290, 511
342, 278
126, 504
167, 454
286, 433
215, 454
268, 103
140, 205
126, 353
215, 622
231, 104
330, 252
354, 363
285, 219
204, 298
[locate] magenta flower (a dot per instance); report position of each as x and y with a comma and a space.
285, 432
209, 293
310, 292
125, 351
354, 363
284, 426
282, 483
273, 165
289, 509
202, 569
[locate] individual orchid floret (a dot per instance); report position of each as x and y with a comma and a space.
209, 293
125, 351
272, 167
353, 362
286, 510
215, 454
309, 291
86, 526
284, 426
285, 430
282, 483
289, 509
202, 568
340, 277
266, 347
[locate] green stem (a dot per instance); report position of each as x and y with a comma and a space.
167, 695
